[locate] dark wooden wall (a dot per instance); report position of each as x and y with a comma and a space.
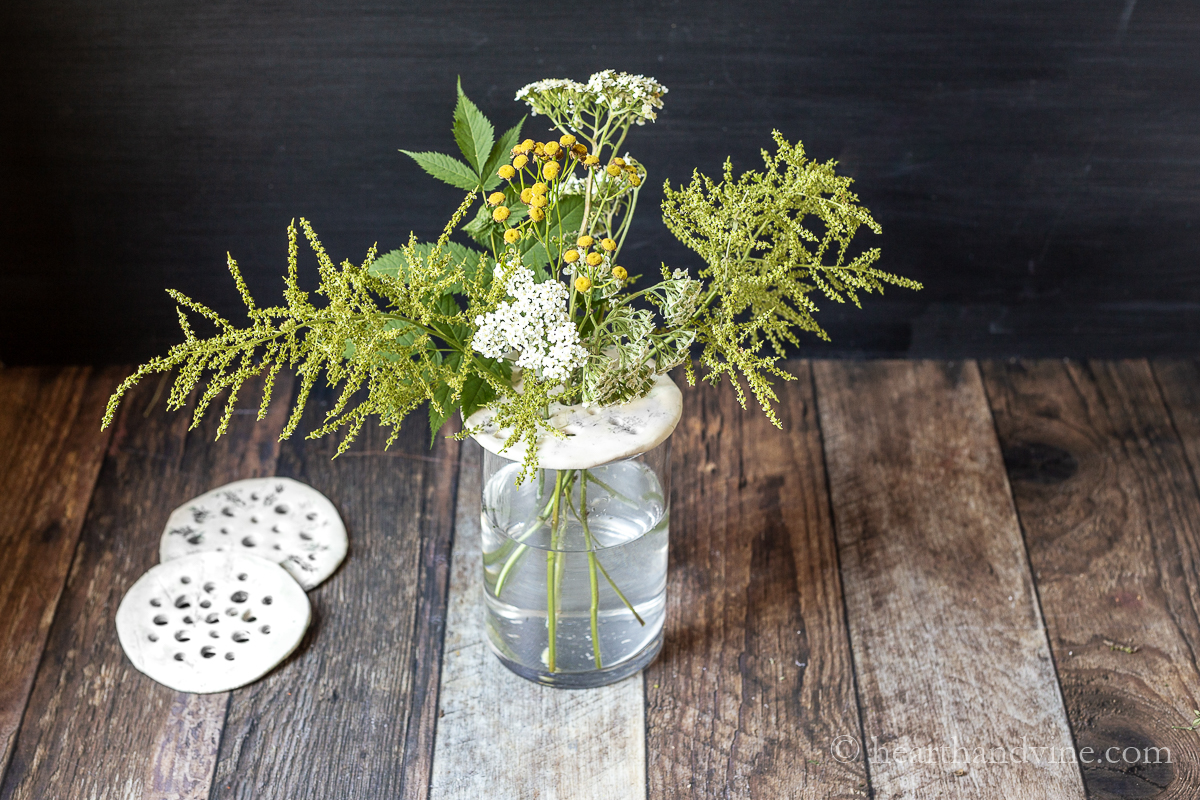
1036, 164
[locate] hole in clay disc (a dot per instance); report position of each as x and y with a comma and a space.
233, 612
239, 597
179, 656
205, 603
225, 531
312, 556
248, 542
241, 636
243, 576
310, 516
208, 651
277, 547
265, 629
229, 656
227, 511
182, 602
188, 620
213, 617
254, 520
275, 529
210, 587
267, 600
153, 637
197, 539
306, 536
161, 619
281, 509
185, 579
249, 616
156, 602
254, 495
214, 634
182, 636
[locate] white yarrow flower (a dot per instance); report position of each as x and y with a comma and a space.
535, 324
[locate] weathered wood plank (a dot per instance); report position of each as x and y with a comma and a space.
1179, 381
53, 446
949, 644
1112, 520
95, 727
502, 736
339, 719
755, 681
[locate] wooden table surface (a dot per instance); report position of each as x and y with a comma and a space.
939, 580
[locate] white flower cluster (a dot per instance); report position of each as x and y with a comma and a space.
534, 323
623, 93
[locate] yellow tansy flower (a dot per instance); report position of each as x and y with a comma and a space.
583, 283
571, 256
512, 236
495, 198
594, 259
608, 244
500, 214
507, 172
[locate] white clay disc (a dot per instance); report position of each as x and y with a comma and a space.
278, 519
212, 622
595, 435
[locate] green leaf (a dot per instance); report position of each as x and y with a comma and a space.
500, 154
446, 168
440, 408
476, 394
473, 132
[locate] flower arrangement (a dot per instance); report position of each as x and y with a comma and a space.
540, 312
543, 290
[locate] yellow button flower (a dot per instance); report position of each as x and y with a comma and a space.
500, 214
591, 161
520, 161
526, 145
620, 273
583, 283
536, 214
608, 244
539, 188
620, 162
539, 149
495, 198
526, 195
585, 241
512, 236
594, 259
550, 171
539, 200
506, 172
551, 148
566, 140
634, 180
571, 256
613, 170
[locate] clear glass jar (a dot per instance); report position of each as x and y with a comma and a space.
575, 567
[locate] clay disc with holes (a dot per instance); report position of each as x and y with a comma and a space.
278, 519
211, 622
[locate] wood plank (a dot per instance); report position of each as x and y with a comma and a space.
755, 680
53, 446
1112, 519
1179, 381
949, 644
95, 727
347, 713
501, 736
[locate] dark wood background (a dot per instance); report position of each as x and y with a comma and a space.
1036, 164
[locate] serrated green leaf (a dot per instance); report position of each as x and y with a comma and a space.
447, 169
476, 393
500, 155
473, 132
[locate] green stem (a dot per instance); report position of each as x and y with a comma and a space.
592, 563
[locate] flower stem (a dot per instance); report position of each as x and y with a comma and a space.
592, 563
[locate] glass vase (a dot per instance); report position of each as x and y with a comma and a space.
575, 567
